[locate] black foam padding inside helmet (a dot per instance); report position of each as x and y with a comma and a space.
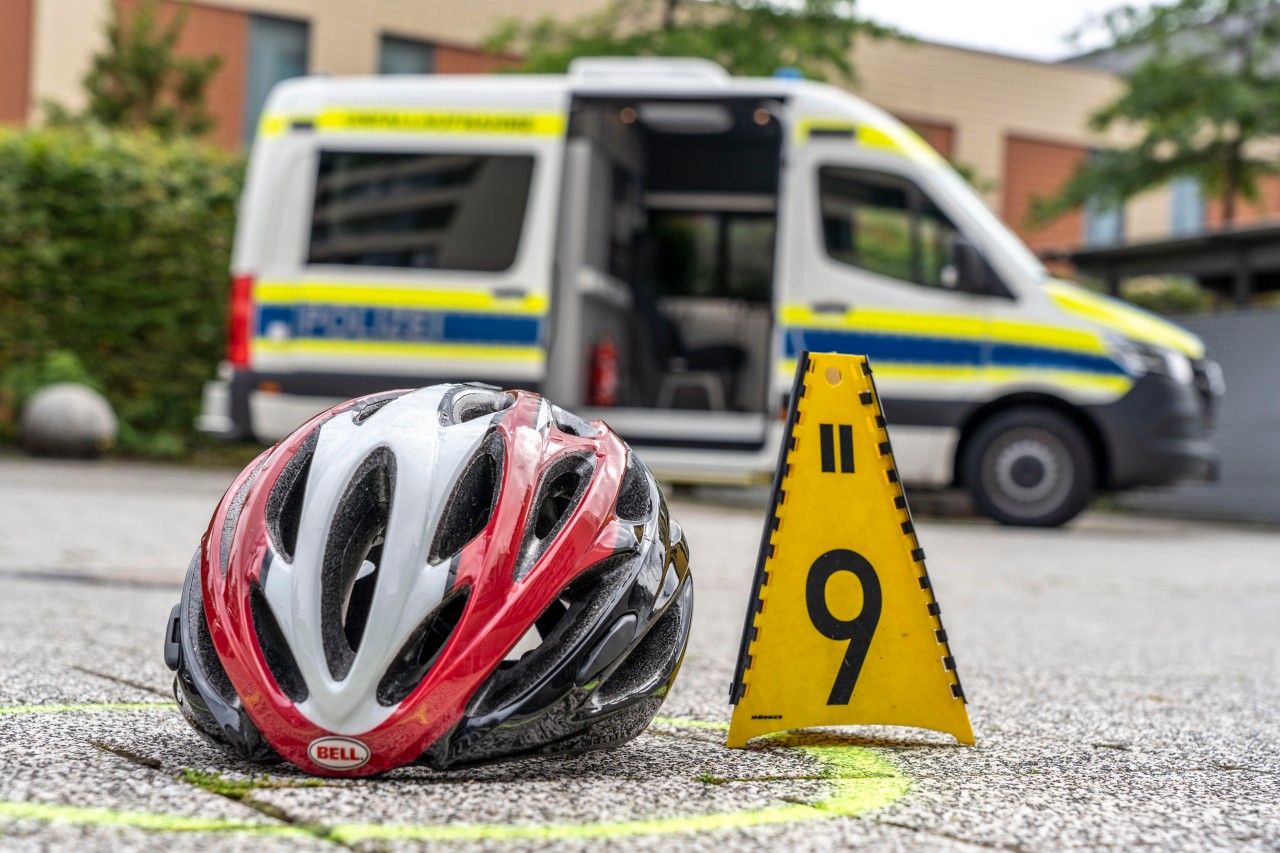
233, 516
355, 535
284, 504
422, 649
563, 628
472, 501
635, 501
204, 693
205, 653
559, 492
275, 649
657, 653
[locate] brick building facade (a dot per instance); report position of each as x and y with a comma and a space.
1019, 127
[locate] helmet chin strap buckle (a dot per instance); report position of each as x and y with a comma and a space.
172, 638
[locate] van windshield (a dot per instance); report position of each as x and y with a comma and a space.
1006, 241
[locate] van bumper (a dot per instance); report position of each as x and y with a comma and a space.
224, 405
1157, 434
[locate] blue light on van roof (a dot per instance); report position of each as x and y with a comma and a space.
789, 72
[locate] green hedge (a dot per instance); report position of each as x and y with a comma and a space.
114, 254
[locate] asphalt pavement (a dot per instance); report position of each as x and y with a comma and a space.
1123, 676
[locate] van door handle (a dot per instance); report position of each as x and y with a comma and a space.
829, 307
510, 293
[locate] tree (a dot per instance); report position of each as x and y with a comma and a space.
749, 37
140, 81
1202, 98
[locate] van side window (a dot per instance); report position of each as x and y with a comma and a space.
886, 225
419, 210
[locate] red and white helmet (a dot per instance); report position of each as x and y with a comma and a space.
443, 576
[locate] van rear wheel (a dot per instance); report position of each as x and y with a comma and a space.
1029, 467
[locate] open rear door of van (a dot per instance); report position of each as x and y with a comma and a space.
665, 272
413, 245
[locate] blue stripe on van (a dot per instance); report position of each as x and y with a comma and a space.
320, 321
948, 351
1017, 355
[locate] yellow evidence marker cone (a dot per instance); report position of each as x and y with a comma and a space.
843, 625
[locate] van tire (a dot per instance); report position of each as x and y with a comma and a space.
1029, 467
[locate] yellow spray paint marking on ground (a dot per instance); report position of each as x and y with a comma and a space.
861, 781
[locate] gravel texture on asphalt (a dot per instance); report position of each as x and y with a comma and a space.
1123, 677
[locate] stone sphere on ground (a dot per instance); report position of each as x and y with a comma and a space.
68, 419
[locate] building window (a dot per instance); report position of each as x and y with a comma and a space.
405, 56
278, 50
1103, 218
1103, 223
1187, 207
430, 210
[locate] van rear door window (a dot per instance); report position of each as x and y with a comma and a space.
419, 210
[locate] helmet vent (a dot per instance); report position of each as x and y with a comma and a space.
356, 614
275, 648
470, 402
233, 516
595, 597
471, 504
555, 503
349, 572
422, 649
372, 407
559, 494
572, 424
205, 652
537, 633
652, 660
284, 504
635, 501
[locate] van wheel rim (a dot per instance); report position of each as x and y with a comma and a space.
1029, 472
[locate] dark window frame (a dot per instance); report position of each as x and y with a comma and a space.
516, 241
918, 201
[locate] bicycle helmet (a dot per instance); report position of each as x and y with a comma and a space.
445, 576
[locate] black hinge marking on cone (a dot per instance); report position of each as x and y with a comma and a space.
780, 473
827, 445
913, 542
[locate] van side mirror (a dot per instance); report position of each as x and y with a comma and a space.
969, 271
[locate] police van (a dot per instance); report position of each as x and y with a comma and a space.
653, 242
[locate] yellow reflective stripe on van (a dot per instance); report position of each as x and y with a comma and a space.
947, 326
1123, 318
284, 293
899, 140
959, 375
400, 349
451, 122
897, 322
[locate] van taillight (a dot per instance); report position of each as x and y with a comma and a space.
239, 309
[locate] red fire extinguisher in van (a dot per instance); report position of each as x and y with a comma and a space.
602, 379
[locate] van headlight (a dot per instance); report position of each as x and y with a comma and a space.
1139, 358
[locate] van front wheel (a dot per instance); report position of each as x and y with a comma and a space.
1029, 467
